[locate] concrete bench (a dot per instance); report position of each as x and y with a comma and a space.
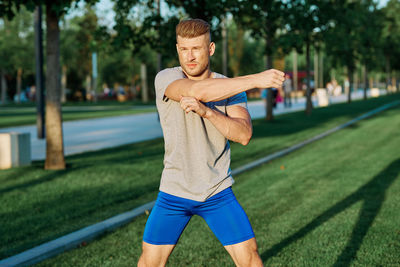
375, 92
15, 150
322, 96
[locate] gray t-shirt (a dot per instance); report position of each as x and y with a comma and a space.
197, 155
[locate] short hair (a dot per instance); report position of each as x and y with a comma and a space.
190, 28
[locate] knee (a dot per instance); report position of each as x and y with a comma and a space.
141, 262
154, 255
253, 259
146, 260
249, 256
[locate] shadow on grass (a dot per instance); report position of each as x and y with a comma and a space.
51, 218
372, 194
52, 175
130, 153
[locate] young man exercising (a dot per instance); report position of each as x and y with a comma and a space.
200, 111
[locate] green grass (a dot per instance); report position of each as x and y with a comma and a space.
329, 206
24, 114
38, 206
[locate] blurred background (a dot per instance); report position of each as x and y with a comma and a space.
89, 67
112, 49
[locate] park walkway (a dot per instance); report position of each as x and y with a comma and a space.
95, 134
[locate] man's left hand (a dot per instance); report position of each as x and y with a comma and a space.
189, 103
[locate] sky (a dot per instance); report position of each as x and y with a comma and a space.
106, 14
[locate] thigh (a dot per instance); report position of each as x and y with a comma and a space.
227, 219
154, 255
245, 253
166, 222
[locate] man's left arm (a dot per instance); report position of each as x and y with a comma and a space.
235, 126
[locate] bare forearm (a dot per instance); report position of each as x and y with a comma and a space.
217, 89
214, 89
235, 129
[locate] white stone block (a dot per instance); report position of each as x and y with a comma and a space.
375, 92
15, 150
322, 97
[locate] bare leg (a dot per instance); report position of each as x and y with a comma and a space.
245, 253
154, 255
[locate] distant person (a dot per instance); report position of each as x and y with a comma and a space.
329, 88
287, 89
106, 90
200, 111
275, 93
264, 95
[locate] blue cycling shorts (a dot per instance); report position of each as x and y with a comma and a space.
222, 212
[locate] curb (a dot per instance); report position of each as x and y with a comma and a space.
70, 241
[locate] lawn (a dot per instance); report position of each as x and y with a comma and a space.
24, 114
39, 205
324, 205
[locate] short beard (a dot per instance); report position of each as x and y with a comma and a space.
198, 73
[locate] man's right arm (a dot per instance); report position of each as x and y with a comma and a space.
215, 89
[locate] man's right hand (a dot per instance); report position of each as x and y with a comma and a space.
269, 79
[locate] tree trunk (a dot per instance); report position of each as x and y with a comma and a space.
64, 84
88, 89
269, 97
316, 71
387, 72
295, 76
39, 94
371, 82
3, 87
321, 70
19, 82
350, 75
393, 83
355, 80
159, 56
54, 134
235, 51
365, 82
94, 77
308, 92
143, 75
224, 48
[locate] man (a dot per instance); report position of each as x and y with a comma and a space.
199, 112
287, 89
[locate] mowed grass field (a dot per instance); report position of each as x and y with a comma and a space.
25, 114
38, 206
332, 203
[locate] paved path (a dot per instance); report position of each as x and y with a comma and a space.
95, 134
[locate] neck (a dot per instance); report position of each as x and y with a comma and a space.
206, 74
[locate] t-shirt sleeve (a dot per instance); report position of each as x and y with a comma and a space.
165, 78
239, 99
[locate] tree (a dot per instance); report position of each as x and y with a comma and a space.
371, 45
344, 39
307, 21
54, 10
16, 50
79, 39
264, 19
391, 36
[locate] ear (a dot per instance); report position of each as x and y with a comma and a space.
211, 48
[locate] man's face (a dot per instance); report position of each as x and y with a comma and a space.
194, 55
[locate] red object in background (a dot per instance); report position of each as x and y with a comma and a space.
301, 75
